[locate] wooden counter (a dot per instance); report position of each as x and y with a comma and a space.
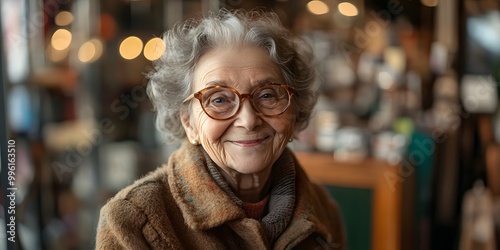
383, 178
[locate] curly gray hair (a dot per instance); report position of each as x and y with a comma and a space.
170, 80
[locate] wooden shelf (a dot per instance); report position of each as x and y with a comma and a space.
492, 168
383, 178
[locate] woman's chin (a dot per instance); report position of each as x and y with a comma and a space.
251, 167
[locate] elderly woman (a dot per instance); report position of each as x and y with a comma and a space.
234, 87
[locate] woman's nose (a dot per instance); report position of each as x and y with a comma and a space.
248, 116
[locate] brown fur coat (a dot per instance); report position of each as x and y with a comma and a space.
180, 206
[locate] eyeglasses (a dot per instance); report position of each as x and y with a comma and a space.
224, 102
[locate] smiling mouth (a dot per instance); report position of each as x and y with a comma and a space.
250, 143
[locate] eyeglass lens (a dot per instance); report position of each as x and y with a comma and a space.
223, 103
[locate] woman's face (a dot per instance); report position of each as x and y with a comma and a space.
247, 143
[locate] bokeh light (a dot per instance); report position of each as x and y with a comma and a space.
131, 47
317, 7
54, 55
154, 49
61, 39
90, 51
430, 3
348, 9
86, 52
63, 18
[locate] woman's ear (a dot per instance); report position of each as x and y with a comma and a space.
189, 127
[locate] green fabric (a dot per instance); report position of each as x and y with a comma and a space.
421, 156
356, 205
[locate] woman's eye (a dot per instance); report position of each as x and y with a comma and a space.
218, 100
268, 94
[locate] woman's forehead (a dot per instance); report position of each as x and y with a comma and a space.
237, 65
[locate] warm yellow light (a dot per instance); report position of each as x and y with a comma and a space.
430, 3
98, 48
317, 7
63, 18
61, 39
86, 52
154, 49
395, 58
131, 47
90, 51
54, 55
348, 9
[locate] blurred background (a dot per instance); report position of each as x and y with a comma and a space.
405, 136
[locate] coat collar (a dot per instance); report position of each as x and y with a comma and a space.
202, 203
309, 213
205, 205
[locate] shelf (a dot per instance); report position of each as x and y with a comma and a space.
385, 181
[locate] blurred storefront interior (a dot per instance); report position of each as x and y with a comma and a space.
406, 132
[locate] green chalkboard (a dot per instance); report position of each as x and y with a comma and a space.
356, 208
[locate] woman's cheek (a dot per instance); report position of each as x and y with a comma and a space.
213, 130
287, 125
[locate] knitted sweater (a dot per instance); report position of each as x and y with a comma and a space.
182, 205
